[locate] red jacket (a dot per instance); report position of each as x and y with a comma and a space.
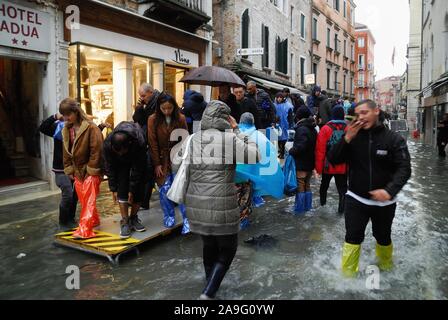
322, 164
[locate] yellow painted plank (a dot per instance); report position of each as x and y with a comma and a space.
65, 233
101, 239
114, 249
71, 238
103, 244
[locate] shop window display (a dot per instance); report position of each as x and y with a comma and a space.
98, 76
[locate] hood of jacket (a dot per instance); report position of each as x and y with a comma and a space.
194, 96
216, 116
315, 89
308, 122
131, 129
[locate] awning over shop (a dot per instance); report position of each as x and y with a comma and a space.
432, 96
433, 86
275, 85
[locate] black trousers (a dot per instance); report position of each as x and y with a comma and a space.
69, 198
220, 249
341, 185
147, 193
357, 216
441, 144
123, 176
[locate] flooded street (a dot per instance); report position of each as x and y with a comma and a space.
304, 263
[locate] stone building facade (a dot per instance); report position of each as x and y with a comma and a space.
333, 48
281, 27
414, 68
388, 93
365, 63
434, 95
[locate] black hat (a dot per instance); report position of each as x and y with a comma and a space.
337, 113
303, 113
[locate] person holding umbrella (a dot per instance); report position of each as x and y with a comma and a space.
229, 99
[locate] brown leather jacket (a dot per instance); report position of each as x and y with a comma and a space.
160, 144
84, 158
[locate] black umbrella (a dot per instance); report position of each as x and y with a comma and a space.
212, 76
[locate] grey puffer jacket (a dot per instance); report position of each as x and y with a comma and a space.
211, 200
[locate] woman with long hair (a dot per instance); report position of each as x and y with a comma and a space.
161, 124
82, 147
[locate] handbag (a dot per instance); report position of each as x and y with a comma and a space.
179, 186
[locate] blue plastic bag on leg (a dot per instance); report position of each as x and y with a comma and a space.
244, 223
186, 224
169, 216
258, 201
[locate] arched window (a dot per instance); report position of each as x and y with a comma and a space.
245, 21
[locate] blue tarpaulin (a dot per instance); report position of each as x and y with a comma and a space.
267, 175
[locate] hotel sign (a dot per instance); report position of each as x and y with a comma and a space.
24, 28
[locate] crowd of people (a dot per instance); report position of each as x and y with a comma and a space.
233, 153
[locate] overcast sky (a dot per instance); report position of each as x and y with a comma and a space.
389, 22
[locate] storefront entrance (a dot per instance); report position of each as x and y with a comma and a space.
172, 84
19, 117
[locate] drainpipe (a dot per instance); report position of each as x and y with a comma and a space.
311, 42
421, 72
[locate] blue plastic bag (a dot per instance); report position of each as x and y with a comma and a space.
258, 201
58, 132
289, 171
244, 223
265, 176
169, 215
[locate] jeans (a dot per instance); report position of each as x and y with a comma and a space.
69, 198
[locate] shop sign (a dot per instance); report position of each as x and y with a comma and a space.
310, 78
24, 28
180, 58
250, 52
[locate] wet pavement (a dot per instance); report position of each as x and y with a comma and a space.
304, 262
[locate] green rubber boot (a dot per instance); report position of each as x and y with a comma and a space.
350, 259
384, 255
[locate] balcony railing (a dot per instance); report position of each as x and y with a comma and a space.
185, 14
196, 5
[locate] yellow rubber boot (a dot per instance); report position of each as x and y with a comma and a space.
350, 259
384, 255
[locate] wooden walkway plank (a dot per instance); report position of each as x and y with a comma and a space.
108, 242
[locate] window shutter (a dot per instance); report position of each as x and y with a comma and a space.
245, 29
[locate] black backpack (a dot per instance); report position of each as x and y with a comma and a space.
336, 136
